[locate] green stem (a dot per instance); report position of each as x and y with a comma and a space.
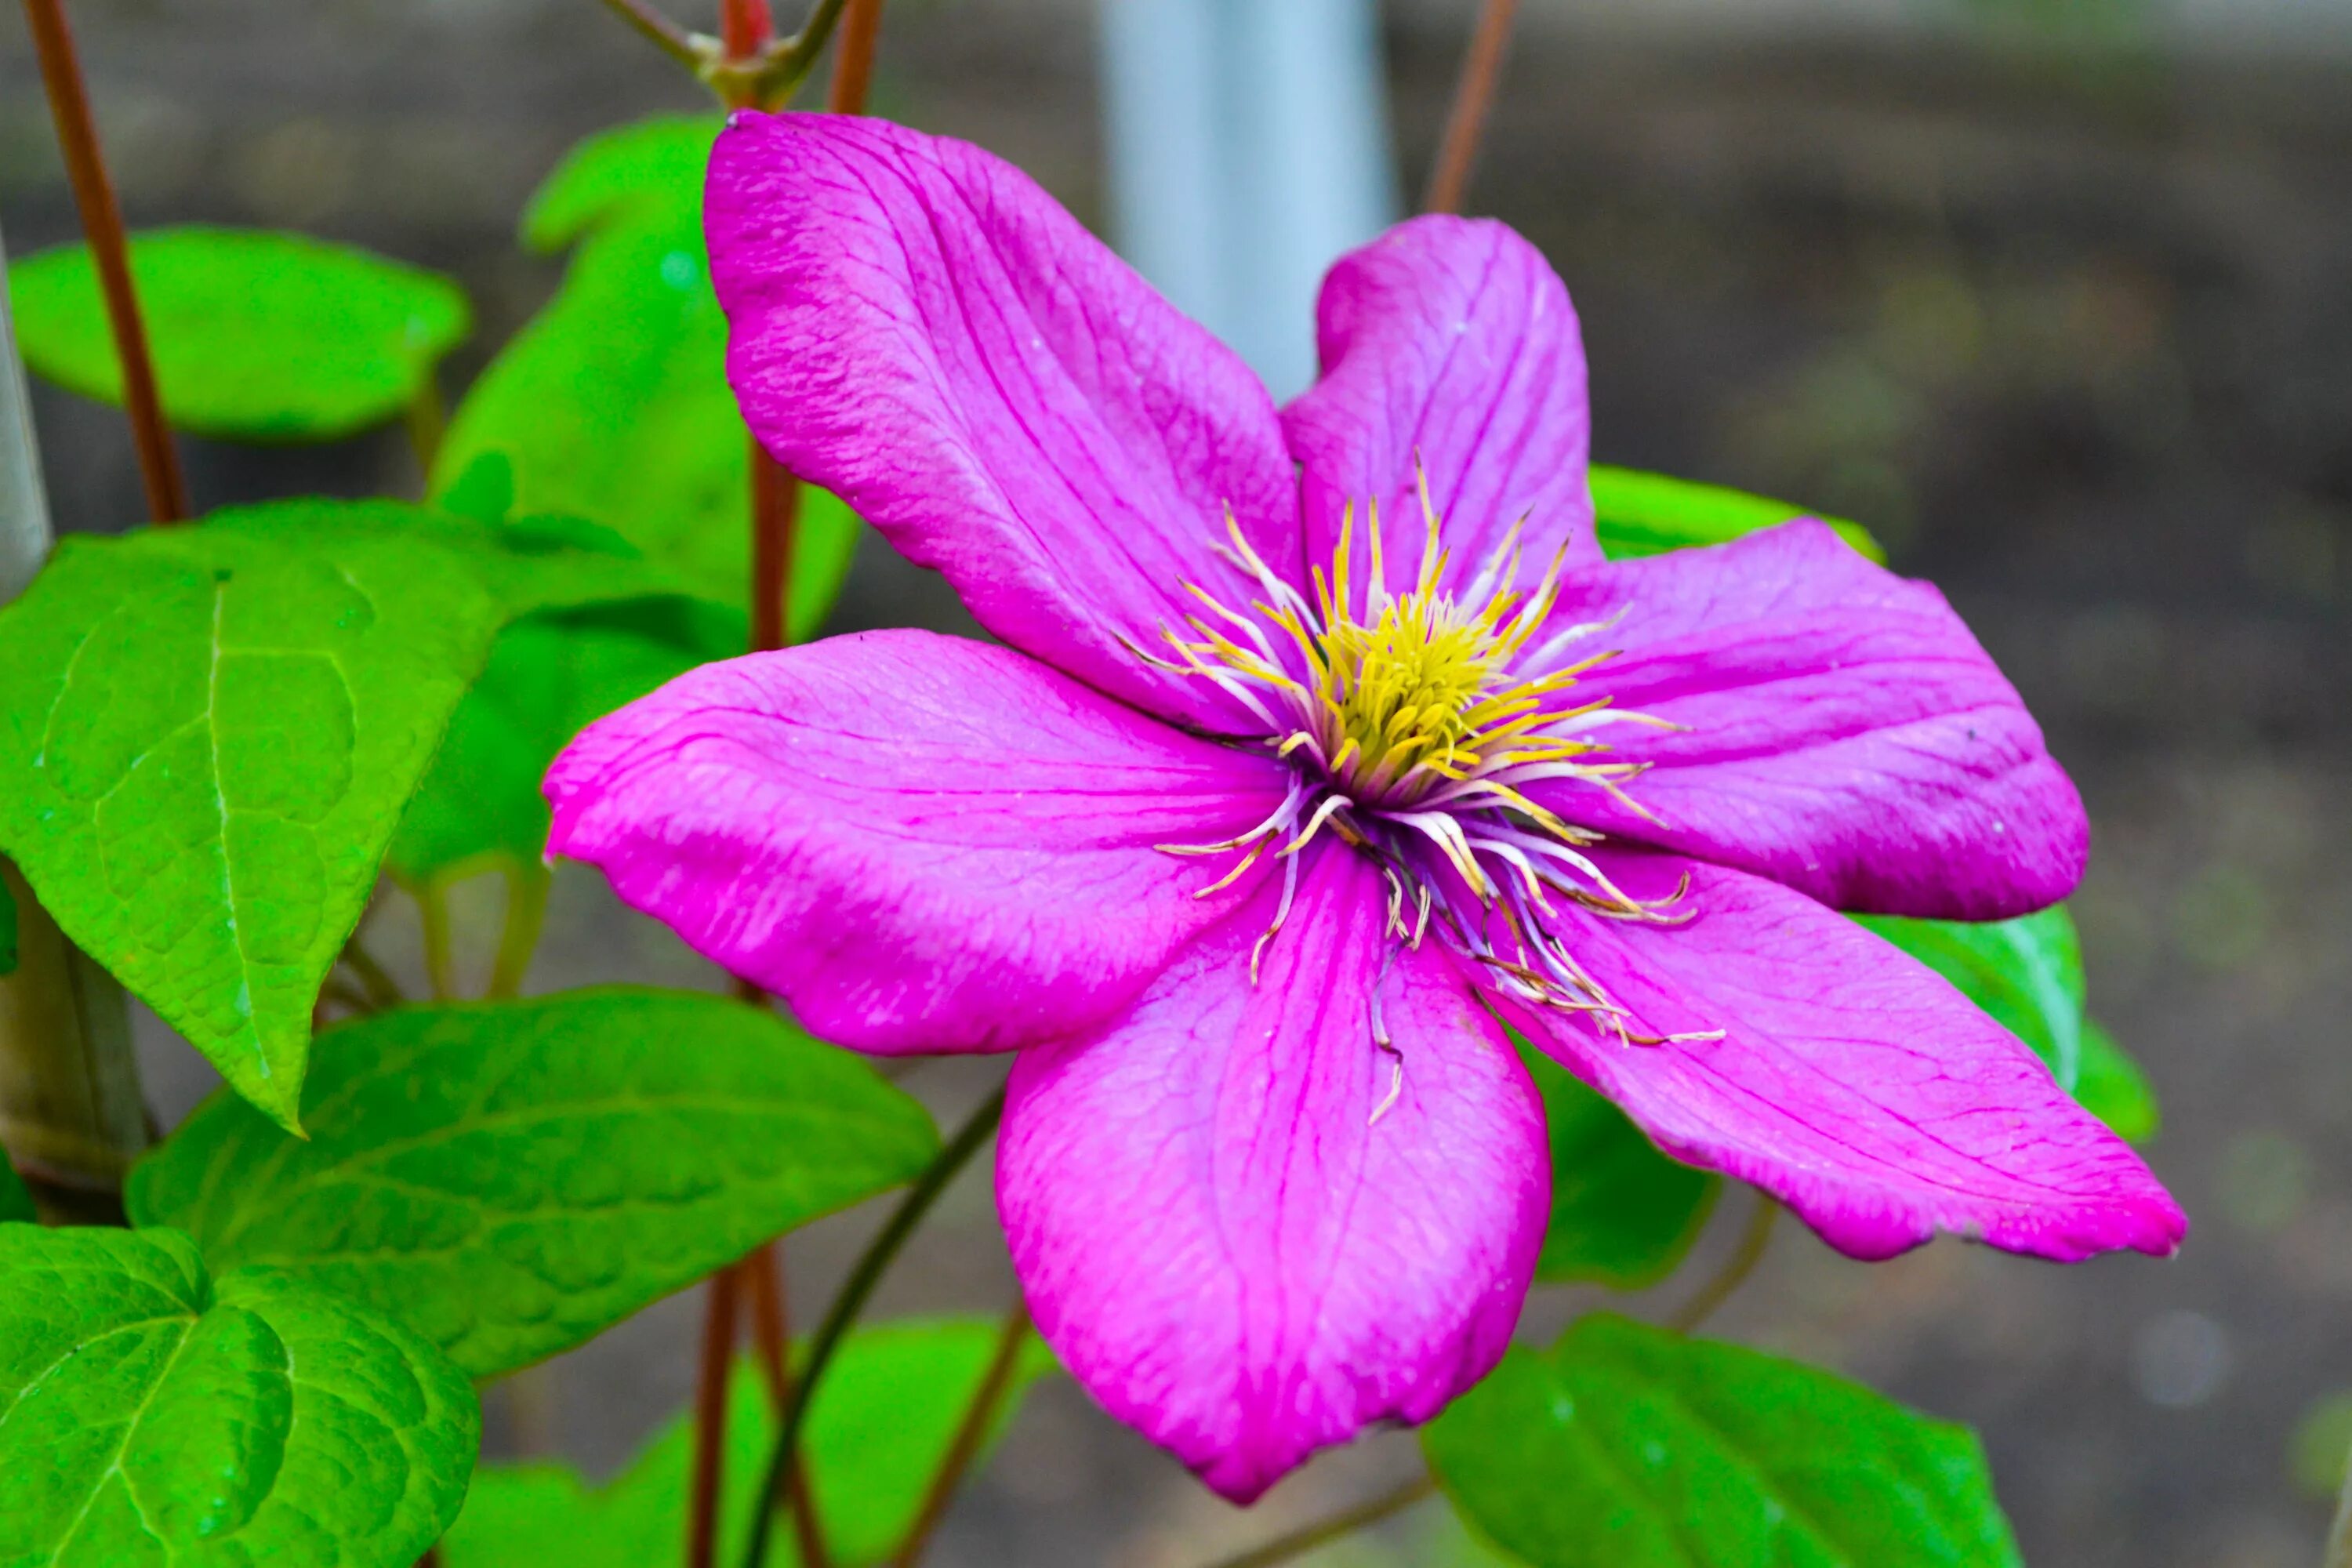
845, 1307
1298, 1542
1753, 1241
376, 983
659, 31
527, 887
426, 422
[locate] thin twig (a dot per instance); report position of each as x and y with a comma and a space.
527, 888
101, 224
1298, 1542
1474, 95
978, 1416
660, 31
377, 982
763, 1272
853, 63
775, 539
1753, 1241
871, 1266
710, 1382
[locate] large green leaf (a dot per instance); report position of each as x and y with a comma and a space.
208, 734
889, 1405
513, 1178
549, 676
16, 1203
2027, 973
1627, 1446
613, 404
1638, 513
1622, 1214
257, 336
154, 1417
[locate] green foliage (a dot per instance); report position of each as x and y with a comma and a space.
2027, 973
1628, 1446
1622, 1214
16, 1203
1641, 513
513, 1178
881, 1422
152, 1416
548, 677
209, 733
2112, 1087
257, 336
613, 404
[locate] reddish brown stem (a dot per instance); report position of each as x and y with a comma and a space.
977, 1418
720, 1293
1474, 95
101, 223
853, 60
763, 1271
744, 28
775, 529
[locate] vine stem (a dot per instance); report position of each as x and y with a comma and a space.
1474, 95
764, 1273
994, 1383
1298, 1542
871, 1266
526, 917
852, 62
659, 31
719, 1297
1753, 1242
101, 223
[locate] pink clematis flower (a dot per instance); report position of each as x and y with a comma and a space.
1324, 745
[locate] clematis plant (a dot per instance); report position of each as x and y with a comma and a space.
1406, 865
1324, 749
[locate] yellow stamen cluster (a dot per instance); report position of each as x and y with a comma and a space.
1407, 692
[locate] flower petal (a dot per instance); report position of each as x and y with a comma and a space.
1852, 1081
921, 330
1449, 341
1215, 1235
1843, 732
922, 843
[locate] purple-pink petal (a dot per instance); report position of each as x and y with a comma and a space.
1840, 731
1217, 1238
922, 843
1449, 341
918, 328
1850, 1081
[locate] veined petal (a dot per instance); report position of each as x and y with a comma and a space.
922, 843
1842, 733
921, 330
1850, 1081
1217, 1235
1450, 342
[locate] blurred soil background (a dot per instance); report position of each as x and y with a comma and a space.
2065, 316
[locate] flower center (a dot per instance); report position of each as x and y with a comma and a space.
1416, 721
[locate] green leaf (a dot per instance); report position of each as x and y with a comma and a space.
513, 1178
2112, 1087
549, 677
613, 404
257, 336
1628, 1446
1622, 1214
150, 1415
1641, 513
2027, 973
208, 735
16, 1203
889, 1405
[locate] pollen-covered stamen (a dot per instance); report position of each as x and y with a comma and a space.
1416, 720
